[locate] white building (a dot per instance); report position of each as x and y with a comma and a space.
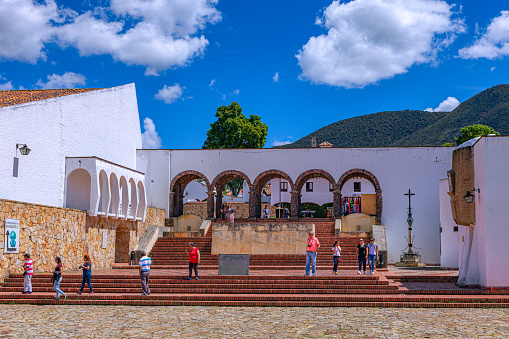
86, 154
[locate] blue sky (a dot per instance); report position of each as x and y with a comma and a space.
189, 57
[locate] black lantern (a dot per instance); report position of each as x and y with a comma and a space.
469, 197
23, 149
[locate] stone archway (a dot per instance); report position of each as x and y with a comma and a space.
357, 172
220, 182
255, 196
122, 242
177, 186
301, 181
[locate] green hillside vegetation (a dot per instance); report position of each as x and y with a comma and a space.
416, 128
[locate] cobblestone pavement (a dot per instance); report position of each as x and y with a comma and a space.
27, 321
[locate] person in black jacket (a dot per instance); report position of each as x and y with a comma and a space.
362, 255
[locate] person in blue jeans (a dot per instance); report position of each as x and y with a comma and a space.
57, 278
87, 274
312, 247
372, 255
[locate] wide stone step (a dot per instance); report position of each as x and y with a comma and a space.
260, 300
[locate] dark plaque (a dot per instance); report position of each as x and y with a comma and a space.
233, 264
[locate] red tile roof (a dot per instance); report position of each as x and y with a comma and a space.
8, 98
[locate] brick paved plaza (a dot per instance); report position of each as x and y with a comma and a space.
65, 321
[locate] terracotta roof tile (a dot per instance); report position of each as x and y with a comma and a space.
8, 98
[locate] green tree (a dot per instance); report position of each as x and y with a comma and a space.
473, 131
448, 144
233, 130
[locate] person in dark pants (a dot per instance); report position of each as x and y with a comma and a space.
145, 263
87, 274
362, 255
194, 260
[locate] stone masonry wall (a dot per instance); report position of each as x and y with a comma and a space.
241, 209
47, 232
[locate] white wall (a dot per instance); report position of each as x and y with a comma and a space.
449, 238
102, 123
156, 166
397, 169
491, 168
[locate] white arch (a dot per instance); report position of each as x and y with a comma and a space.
134, 199
78, 192
142, 205
104, 191
115, 195
124, 198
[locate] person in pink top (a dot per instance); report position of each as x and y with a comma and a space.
28, 268
312, 247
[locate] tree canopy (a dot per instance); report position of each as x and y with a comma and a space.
473, 131
233, 130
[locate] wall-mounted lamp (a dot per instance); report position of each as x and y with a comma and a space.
23, 149
469, 197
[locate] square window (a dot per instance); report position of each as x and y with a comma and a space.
309, 187
356, 186
455, 229
283, 186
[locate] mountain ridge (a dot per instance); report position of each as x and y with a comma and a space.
415, 127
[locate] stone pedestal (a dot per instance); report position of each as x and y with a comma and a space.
410, 260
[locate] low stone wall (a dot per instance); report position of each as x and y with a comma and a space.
241, 209
260, 238
47, 232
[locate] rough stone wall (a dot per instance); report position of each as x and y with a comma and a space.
260, 238
241, 209
462, 180
47, 232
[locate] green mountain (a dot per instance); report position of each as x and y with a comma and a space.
416, 128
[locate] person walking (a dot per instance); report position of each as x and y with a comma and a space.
231, 216
312, 247
266, 212
87, 274
57, 278
362, 255
372, 255
144, 265
194, 260
224, 210
28, 268
336, 254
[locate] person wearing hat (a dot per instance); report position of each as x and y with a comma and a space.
28, 268
144, 265
194, 260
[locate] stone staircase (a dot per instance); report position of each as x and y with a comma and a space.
254, 290
169, 253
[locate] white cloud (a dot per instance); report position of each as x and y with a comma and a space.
224, 96
370, 40
281, 143
212, 82
6, 86
156, 34
170, 94
66, 80
150, 139
25, 27
236, 92
492, 69
445, 106
494, 43
275, 78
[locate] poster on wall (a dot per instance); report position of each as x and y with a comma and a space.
11, 236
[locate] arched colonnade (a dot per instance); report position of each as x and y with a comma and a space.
215, 189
